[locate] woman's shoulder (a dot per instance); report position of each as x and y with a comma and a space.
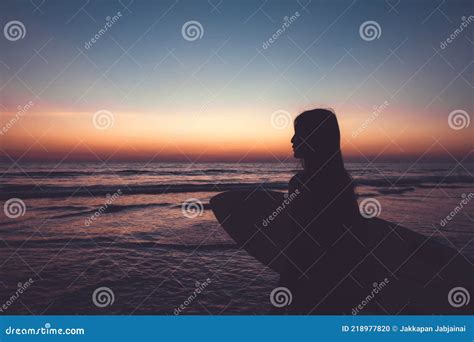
296, 181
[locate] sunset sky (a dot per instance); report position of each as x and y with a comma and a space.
213, 98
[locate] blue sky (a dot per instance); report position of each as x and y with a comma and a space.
143, 65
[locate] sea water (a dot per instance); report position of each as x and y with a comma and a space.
122, 226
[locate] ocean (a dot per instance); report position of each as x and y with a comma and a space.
78, 227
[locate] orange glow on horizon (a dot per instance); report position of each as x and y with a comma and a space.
225, 136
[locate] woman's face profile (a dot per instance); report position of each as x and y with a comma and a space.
300, 149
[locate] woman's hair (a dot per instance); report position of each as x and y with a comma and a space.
320, 131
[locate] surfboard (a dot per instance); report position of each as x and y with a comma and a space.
259, 224
251, 219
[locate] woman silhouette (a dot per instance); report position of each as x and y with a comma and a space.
331, 260
323, 240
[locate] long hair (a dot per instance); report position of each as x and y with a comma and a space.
320, 134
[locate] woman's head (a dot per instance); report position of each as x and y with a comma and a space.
317, 143
317, 136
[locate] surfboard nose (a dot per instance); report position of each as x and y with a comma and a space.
219, 205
